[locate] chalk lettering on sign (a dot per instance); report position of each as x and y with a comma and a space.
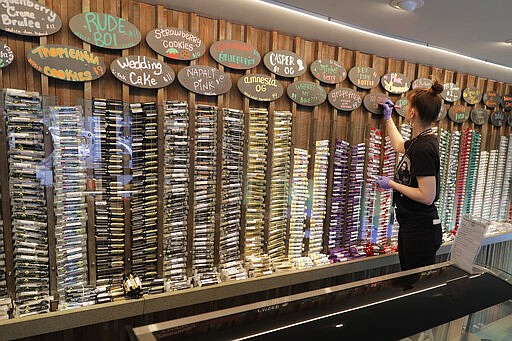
28, 17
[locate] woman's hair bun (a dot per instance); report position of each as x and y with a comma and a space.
436, 88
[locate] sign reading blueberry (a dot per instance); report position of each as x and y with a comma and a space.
235, 54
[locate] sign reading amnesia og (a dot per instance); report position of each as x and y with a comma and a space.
66, 63
260, 87
175, 43
105, 30
28, 18
6, 55
142, 72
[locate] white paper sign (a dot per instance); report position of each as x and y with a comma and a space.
467, 242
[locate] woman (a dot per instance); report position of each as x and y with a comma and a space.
416, 183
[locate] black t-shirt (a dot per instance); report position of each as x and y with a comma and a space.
421, 158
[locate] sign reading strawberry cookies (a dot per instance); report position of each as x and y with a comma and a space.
175, 43
28, 18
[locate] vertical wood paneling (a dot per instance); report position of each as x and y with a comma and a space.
309, 124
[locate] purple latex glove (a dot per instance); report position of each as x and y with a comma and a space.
383, 182
387, 108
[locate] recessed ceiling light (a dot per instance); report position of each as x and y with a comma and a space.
408, 5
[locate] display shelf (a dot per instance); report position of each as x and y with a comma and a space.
230, 264
144, 196
368, 233
339, 195
352, 231
319, 194
205, 173
507, 183
67, 129
28, 176
447, 220
490, 184
256, 261
279, 188
176, 197
108, 128
298, 203
462, 176
478, 201
499, 178
472, 172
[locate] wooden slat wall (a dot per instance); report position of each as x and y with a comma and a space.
309, 124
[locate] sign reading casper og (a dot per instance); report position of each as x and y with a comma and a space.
66, 63
142, 72
104, 30
28, 18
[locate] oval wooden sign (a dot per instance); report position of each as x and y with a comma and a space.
507, 102
105, 30
458, 113
400, 106
235, 54
371, 102
442, 112
260, 87
422, 83
395, 83
28, 18
498, 118
491, 99
472, 95
479, 116
328, 71
306, 93
175, 43
344, 99
451, 92
6, 55
364, 77
285, 63
142, 72
66, 63
204, 80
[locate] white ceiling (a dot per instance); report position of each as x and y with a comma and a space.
475, 28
